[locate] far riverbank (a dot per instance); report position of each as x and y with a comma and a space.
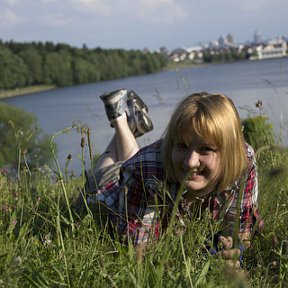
24, 91
41, 88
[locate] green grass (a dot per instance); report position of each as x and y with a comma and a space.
44, 244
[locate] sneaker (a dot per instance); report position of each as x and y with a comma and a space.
115, 103
138, 120
138, 101
121, 101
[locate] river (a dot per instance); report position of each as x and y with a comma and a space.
245, 82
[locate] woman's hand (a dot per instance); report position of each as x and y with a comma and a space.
140, 251
232, 256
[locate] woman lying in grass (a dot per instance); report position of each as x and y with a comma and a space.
202, 162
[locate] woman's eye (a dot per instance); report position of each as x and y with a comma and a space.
208, 149
181, 145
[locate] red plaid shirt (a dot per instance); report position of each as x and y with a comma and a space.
136, 198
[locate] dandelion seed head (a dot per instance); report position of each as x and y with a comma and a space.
259, 104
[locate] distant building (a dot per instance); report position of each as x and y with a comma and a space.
146, 50
164, 50
230, 39
227, 40
221, 41
225, 49
257, 37
191, 54
178, 55
275, 48
213, 44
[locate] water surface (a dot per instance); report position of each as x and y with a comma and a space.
245, 82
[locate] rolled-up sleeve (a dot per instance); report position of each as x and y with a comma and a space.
250, 216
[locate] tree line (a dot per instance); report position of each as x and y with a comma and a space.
223, 55
37, 63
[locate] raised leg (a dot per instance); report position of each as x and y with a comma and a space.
127, 114
122, 146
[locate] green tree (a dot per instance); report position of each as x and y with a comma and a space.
34, 61
21, 140
57, 69
83, 71
13, 70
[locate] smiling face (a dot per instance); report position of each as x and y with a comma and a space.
203, 146
196, 165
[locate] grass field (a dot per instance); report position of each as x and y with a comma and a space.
44, 244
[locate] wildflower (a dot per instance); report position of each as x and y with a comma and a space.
259, 104
38, 201
69, 157
6, 208
82, 142
47, 239
18, 260
89, 144
3, 171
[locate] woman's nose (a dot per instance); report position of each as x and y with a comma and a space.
193, 159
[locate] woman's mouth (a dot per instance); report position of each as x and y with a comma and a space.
194, 173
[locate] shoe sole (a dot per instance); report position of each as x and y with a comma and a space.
146, 125
114, 96
142, 123
138, 101
137, 110
115, 103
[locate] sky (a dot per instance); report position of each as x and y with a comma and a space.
139, 24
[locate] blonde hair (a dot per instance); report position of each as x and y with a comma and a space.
214, 118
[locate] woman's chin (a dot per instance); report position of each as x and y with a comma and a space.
196, 183
197, 189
